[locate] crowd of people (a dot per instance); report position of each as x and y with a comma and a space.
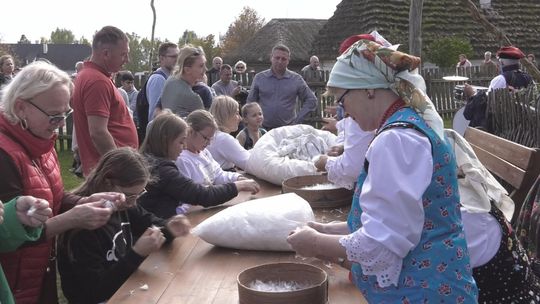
184, 139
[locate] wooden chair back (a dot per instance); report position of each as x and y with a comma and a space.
517, 165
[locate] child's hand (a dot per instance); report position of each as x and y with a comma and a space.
32, 211
247, 185
179, 225
117, 198
151, 240
320, 163
89, 215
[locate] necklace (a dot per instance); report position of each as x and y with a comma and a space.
394, 107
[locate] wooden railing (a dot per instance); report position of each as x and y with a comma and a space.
515, 116
63, 143
441, 93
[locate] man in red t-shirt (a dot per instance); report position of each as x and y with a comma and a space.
101, 117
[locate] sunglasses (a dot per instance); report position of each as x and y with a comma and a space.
53, 119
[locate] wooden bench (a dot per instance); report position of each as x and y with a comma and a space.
517, 165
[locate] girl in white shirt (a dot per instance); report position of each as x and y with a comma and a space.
196, 162
225, 149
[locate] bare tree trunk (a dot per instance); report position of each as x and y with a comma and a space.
151, 57
415, 27
477, 15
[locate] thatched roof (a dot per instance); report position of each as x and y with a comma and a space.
518, 18
297, 34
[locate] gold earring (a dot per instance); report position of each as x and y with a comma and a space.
370, 95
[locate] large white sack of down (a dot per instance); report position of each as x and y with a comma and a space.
287, 152
261, 224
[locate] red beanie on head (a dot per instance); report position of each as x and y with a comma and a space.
510, 52
352, 39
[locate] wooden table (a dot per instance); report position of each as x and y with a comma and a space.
192, 271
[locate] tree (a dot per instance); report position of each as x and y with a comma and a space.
139, 53
188, 37
208, 44
24, 40
444, 51
62, 36
241, 30
146, 46
137, 59
83, 40
5, 50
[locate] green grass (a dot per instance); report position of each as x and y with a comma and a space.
448, 123
71, 181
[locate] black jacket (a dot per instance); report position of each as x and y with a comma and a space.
476, 111
171, 188
93, 264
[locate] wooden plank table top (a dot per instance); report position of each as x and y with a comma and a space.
191, 271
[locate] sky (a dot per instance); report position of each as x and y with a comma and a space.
37, 19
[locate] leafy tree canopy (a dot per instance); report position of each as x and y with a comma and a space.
24, 40
444, 51
62, 36
242, 29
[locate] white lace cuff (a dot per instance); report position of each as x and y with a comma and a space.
374, 258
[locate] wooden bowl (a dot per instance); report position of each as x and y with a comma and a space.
322, 198
314, 278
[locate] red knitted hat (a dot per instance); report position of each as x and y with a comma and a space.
510, 52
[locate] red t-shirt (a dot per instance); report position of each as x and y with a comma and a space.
96, 95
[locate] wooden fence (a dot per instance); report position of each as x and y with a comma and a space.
515, 116
63, 143
440, 91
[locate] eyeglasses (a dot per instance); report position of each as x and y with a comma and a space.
53, 119
241, 67
341, 99
134, 196
207, 139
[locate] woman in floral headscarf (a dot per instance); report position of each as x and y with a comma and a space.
404, 239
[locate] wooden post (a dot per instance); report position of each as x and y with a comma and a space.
415, 27
151, 57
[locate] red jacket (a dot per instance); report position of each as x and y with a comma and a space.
37, 162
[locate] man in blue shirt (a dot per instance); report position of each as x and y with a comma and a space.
168, 54
277, 91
